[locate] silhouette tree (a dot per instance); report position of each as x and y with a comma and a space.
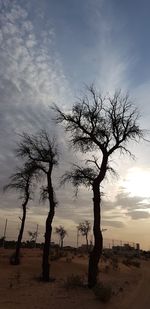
33, 238
84, 228
22, 181
101, 125
43, 151
61, 232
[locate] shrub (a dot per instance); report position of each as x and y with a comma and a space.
102, 292
55, 255
68, 259
73, 281
126, 262
13, 260
136, 263
107, 269
114, 262
129, 262
81, 255
107, 254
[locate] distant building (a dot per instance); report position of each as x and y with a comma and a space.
138, 247
126, 249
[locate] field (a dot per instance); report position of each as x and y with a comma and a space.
21, 287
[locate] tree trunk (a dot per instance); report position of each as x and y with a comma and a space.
48, 232
87, 243
98, 240
46, 250
15, 259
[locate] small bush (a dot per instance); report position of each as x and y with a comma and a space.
102, 292
13, 260
56, 255
68, 259
81, 255
73, 281
107, 255
114, 263
126, 262
136, 263
130, 262
107, 269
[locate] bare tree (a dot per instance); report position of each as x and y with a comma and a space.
84, 228
61, 232
22, 181
43, 151
102, 125
33, 237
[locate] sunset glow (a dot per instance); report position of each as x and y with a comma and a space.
137, 182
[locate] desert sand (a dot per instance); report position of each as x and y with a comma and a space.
20, 286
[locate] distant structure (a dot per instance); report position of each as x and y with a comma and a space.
127, 249
138, 247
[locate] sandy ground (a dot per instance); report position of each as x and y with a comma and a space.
20, 286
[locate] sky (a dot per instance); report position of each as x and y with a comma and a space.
49, 51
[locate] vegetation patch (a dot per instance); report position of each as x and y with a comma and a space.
73, 281
102, 292
114, 263
130, 262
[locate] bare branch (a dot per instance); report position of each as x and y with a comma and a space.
95, 162
38, 148
22, 180
84, 227
103, 124
79, 176
43, 194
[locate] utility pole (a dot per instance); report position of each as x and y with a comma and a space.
5, 228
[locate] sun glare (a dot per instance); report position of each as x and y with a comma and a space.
137, 182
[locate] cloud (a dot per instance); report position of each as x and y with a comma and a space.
127, 202
116, 224
125, 206
29, 60
113, 55
31, 79
136, 215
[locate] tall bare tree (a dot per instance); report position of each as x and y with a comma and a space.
101, 125
84, 228
22, 181
43, 151
61, 232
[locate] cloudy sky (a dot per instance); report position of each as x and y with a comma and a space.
49, 50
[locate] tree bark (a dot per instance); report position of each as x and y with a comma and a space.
87, 243
46, 250
48, 232
62, 243
98, 239
15, 259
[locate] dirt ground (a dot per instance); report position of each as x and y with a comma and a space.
21, 288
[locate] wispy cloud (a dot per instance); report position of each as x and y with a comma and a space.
113, 56
126, 206
31, 78
29, 59
139, 214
